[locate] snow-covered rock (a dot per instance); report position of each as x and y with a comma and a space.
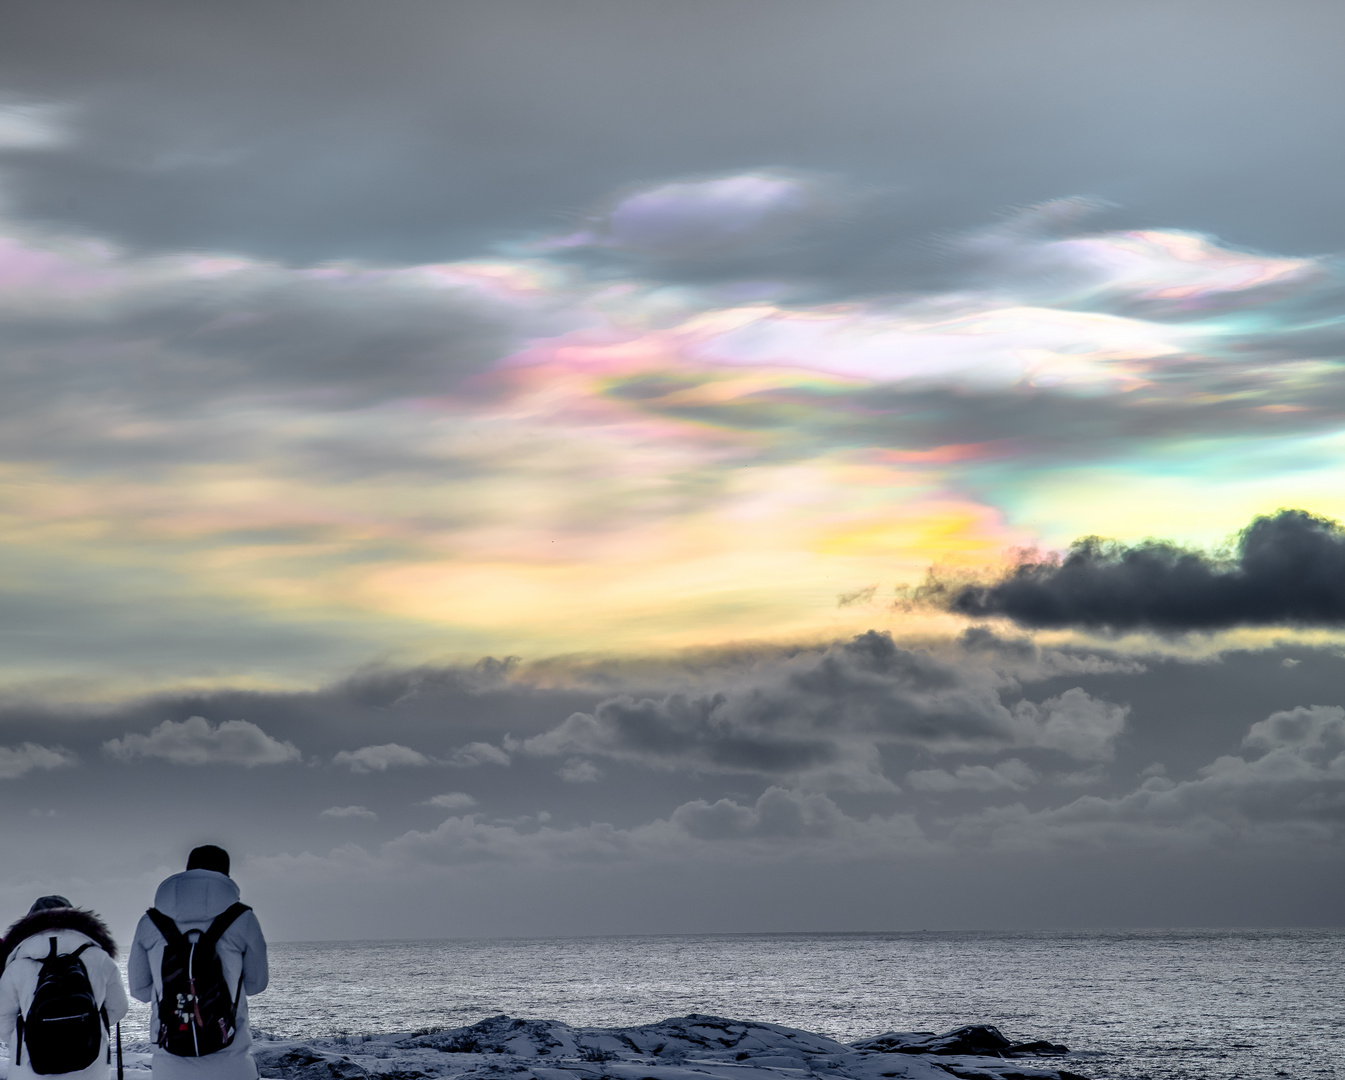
694, 1047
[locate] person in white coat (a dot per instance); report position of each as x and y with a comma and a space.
26, 944
192, 899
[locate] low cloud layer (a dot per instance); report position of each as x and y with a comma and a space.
1287, 569
15, 761
1286, 787
380, 758
863, 754
344, 812
196, 741
823, 720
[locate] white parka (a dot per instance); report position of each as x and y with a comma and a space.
19, 983
192, 899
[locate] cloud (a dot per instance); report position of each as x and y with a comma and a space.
240, 330
17, 760
699, 217
1011, 775
821, 718
195, 741
478, 753
349, 812
1074, 723
1287, 789
1149, 272
32, 126
1314, 733
579, 771
780, 823
380, 758
1286, 569
452, 800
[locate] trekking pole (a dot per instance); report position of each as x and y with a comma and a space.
119, 1070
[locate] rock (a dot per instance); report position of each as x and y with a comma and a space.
304, 1063
978, 1039
693, 1047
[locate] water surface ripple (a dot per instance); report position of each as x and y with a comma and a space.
1167, 1005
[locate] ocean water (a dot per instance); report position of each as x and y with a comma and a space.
1194, 1005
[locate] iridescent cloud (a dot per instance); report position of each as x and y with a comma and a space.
519, 453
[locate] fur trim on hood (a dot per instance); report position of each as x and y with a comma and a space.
85, 922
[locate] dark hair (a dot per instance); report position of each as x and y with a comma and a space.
209, 857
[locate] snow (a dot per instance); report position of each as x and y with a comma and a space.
694, 1047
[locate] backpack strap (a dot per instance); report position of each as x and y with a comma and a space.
166, 926
215, 931
222, 922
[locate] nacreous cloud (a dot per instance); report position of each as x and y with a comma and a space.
698, 217
195, 741
1287, 569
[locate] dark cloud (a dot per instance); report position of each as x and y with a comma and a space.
823, 718
1286, 569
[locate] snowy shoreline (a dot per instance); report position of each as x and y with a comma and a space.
694, 1047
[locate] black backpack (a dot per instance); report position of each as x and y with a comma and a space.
64, 1026
197, 1013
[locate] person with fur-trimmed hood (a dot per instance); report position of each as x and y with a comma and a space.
27, 943
190, 902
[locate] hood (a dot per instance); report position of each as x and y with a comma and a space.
49, 919
195, 895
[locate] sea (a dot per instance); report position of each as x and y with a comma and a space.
1159, 1004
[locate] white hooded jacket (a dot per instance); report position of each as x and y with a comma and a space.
19, 982
192, 899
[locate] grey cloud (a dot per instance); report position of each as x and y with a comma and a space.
1026, 661
822, 719
171, 336
427, 128
32, 125
1315, 733
1011, 775
779, 823
778, 814
195, 741
1286, 569
349, 812
698, 217
451, 800
647, 816
471, 840
1084, 727
15, 761
579, 771
380, 758
478, 753
1289, 789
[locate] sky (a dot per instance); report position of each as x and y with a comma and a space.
626, 467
